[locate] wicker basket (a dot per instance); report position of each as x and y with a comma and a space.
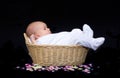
56, 55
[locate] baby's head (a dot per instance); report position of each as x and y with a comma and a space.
38, 29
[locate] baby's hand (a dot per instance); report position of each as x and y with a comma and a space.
32, 38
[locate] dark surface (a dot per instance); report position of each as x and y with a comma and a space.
102, 16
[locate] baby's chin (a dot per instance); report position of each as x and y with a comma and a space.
49, 32
45, 34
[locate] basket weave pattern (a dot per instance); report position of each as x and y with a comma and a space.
56, 55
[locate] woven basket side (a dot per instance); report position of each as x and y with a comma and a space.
57, 55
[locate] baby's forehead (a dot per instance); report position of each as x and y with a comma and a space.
40, 27
38, 24
41, 24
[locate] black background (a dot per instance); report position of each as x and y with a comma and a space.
102, 16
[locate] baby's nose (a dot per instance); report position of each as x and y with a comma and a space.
48, 29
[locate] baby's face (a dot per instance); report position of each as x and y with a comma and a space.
42, 30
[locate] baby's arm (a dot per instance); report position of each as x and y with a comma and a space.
32, 38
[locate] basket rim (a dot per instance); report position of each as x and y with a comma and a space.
54, 45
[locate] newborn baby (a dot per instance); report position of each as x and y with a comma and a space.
39, 33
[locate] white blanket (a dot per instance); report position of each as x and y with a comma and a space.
76, 36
